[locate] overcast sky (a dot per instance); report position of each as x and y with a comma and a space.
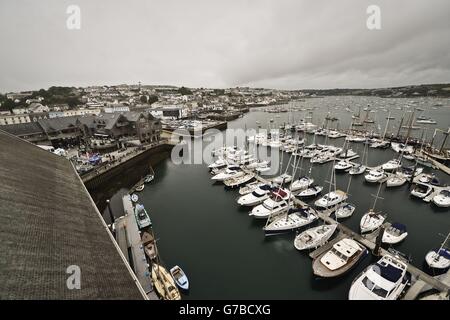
292, 44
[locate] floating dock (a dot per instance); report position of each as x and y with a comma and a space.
129, 239
368, 241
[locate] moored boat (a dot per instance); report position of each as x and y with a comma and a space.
164, 283
314, 237
395, 233
343, 255
180, 277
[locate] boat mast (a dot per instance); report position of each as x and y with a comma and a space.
376, 197
387, 123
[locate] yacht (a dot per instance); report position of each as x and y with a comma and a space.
284, 178
293, 219
351, 138
331, 199
278, 202
396, 180
333, 134
250, 187
349, 153
375, 175
219, 163
239, 180
400, 147
421, 190
345, 210
385, 280
255, 197
442, 199
342, 165
311, 191
142, 218
301, 183
371, 221
343, 255
395, 233
230, 172
314, 237
391, 165
357, 169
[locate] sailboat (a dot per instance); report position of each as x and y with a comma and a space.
333, 197
439, 258
360, 167
372, 220
314, 237
294, 218
346, 209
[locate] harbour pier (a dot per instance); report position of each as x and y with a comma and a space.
368, 241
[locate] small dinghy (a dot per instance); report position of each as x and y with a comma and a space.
395, 233
142, 217
140, 187
314, 237
180, 277
371, 221
134, 197
150, 249
149, 178
312, 191
345, 210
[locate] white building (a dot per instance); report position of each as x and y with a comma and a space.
112, 109
14, 119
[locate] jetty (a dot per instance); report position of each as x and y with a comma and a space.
129, 240
368, 240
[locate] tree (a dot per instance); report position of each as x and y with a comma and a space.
143, 99
152, 99
184, 91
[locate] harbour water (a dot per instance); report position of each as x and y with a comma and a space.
200, 227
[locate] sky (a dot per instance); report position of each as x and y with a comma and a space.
283, 44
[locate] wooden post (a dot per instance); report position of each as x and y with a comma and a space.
376, 250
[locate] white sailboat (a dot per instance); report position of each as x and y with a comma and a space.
372, 220
314, 237
277, 203
293, 219
439, 258
333, 197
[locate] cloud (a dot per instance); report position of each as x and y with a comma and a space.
211, 43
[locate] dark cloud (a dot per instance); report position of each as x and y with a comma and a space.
283, 44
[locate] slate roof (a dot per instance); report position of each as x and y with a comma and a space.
21, 129
49, 222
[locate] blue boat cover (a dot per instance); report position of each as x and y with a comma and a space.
389, 272
444, 253
399, 226
265, 187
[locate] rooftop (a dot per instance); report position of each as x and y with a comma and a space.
48, 222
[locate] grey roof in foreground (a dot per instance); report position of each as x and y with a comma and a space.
49, 222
